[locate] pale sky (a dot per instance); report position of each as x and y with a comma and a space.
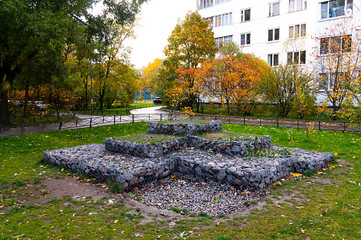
156, 22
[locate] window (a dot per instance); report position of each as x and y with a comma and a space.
324, 45
223, 20
346, 43
226, 19
273, 59
206, 3
273, 34
297, 31
221, 40
218, 21
328, 80
335, 8
210, 3
323, 81
274, 9
245, 39
296, 57
335, 44
245, 15
297, 5
228, 39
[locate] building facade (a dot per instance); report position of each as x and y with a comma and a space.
279, 31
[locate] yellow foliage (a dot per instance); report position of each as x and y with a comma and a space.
151, 73
188, 113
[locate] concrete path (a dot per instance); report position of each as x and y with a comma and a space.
150, 110
86, 121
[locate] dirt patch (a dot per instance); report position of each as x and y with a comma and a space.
324, 181
216, 135
152, 213
73, 187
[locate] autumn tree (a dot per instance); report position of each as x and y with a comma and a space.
249, 103
338, 62
191, 42
151, 73
230, 77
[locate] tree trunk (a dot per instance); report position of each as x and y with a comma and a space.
86, 96
334, 110
58, 105
4, 107
101, 100
198, 104
6, 79
26, 98
228, 106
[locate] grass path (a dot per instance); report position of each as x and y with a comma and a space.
326, 205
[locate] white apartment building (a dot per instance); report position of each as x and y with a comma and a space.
278, 31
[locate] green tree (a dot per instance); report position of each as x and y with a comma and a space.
191, 42
78, 71
109, 57
282, 84
31, 27
128, 84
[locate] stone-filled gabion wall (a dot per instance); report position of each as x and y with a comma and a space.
184, 128
253, 175
133, 164
93, 161
153, 150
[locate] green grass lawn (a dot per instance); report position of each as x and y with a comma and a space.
326, 205
38, 119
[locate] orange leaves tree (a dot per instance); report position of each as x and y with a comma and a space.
229, 78
190, 43
338, 62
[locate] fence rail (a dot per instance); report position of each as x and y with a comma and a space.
103, 120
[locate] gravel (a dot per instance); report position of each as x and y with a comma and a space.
190, 180
187, 196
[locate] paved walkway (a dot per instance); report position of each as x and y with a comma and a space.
86, 121
150, 110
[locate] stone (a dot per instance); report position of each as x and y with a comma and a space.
150, 162
221, 175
